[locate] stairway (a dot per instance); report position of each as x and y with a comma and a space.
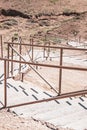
66, 113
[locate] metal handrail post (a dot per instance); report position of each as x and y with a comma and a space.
60, 70
5, 80
1, 46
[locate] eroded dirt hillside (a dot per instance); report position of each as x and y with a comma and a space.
34, 17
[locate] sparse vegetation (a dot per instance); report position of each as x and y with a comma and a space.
54, 1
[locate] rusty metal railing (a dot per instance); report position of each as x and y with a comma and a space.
60, 67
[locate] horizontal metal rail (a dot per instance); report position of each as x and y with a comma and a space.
46, 65
65, 95
54, 47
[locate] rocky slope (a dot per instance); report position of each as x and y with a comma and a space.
60, 17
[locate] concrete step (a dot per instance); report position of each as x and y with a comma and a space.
24, 92
64, 112
66, 106
65, 119
58, 112
80, 124
41, 108
34, 109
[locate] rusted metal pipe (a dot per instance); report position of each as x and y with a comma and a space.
12, 57
1, 46
20, 52
60, 70
22, 77
5, 80
55, 47
46, 65
8, 52
32, 48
